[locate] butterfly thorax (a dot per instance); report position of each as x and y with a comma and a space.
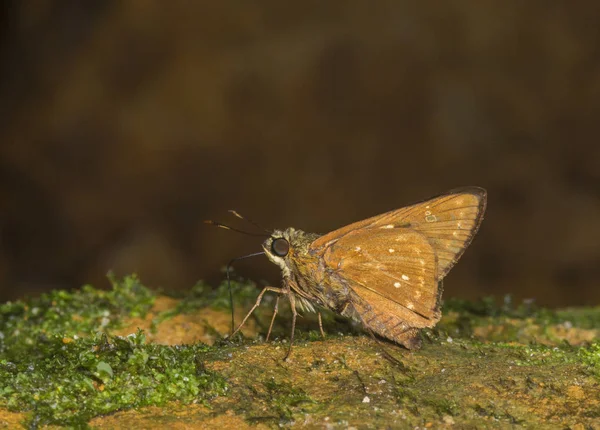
303, 270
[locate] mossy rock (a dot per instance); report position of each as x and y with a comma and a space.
132, 358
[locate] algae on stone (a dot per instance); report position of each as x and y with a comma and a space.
81, 359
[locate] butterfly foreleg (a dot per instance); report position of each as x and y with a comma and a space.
257, 304
275, 310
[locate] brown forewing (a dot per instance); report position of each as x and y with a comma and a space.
449, 223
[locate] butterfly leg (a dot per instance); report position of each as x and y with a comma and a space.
321, 325
273, 318
258, 300
294, 315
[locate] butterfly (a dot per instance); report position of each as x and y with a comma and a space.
385, 272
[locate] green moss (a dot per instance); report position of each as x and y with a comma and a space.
69, 383
538, 355
587, 318
285, 400
491, 411
64, 313
506, 322
203, 295
477, 368
443, 406
590, 357
489, 308
49, 368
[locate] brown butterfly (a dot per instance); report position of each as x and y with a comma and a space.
385, 271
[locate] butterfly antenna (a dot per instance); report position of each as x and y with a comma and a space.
255, 224
227, 270
226, 227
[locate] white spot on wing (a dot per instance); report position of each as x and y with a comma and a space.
406, 278
391, 250
388, 226
357, 249
397, 284
410, 305
429, 217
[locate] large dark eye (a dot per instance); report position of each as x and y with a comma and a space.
280, 247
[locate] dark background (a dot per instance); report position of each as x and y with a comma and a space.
124, 124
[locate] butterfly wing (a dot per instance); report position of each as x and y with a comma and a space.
449, 222
392, 270
393, 262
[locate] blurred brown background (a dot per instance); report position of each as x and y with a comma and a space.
124, 124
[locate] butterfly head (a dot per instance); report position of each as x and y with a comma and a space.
284, 245
278, 247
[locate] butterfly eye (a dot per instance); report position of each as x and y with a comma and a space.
280, 247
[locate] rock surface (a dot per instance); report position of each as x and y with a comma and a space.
485, 365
